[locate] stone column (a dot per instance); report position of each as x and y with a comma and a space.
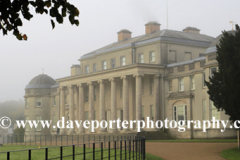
80, 107
91, 102
125, 101
102, 103
71, 108
113, 105
138, 96
156, 98
62, 107
76, 108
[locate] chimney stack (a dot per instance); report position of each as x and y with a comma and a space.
124, 34
191, 30
151, 27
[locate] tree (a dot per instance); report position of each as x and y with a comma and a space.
13, 11
224, 86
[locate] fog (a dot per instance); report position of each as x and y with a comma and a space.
100, 20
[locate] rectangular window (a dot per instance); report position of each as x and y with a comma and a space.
66, 99
214, 111
27, 125
181, 84
180, 113
152, 56
39, 127
143, 113
151, 112
86, 115
188, 56
123, 61
94, 67
204, 110
86, 94
54, 101
151, 85
212, 70
95, 93
204, 78
192, 82
86, 69
170, 86
104, 65
26, 102
113, 63
140, 58
38, 102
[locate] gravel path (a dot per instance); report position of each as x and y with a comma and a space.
188, 151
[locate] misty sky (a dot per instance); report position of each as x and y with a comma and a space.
100, 20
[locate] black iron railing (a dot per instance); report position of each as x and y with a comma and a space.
113, 147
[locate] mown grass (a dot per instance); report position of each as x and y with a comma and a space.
39, 154
231, 154
198, 140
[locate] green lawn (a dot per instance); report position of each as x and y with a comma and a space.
39, 154
231, 154
198, 140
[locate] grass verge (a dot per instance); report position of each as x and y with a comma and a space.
231, 154
198, 140
39, 154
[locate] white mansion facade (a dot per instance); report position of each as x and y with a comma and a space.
158, 75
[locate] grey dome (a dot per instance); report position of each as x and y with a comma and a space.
41, 81
212, 47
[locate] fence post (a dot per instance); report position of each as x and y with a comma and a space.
84, 151
61, 153
8, 155
144, 151
109, 150
125, 149
115, 147
46, 153
121, 149
61, 139
136, 148
93, 151
101, 150
133, 149
73, 152
29, 154
129, 143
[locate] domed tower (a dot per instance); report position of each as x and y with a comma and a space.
38, 102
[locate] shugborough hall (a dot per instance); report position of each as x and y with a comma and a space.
159, 75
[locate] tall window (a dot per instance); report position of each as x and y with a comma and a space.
204, 78
95, 93
170, 86
27, 124
152, 56
66, 99
94, 67
39, 128
123, 61
180, 113
192, 82
212, 70
204, 110
86, 115
54, 101
86, 69
104, 65
143, 113
38, 102
181, 84
113, 63
140, 58
121, 89
151, 85
86, 94
151, 112
54, 122
214, 111
26, 102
